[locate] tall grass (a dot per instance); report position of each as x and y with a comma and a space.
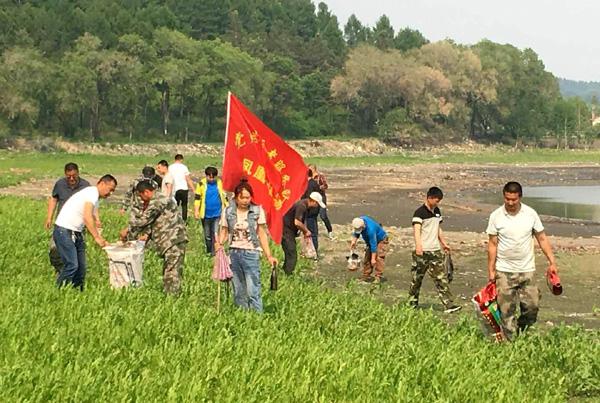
311, 344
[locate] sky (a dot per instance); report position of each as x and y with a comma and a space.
563, 33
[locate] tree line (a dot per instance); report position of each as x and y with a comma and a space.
161, 70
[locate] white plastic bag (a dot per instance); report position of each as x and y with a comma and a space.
353, 261
308, 248
126, 264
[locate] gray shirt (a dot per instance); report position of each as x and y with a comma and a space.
62, 192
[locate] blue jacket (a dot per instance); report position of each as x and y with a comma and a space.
372, 234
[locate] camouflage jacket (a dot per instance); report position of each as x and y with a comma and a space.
162, 221
132, 198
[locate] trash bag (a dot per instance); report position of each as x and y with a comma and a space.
449, 265
308, 248
125, 264
353, 261
274, 284
221, 268
488, 312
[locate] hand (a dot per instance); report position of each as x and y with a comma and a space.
48, 223
218, 246
373, 260
552, 268
123, 234
143, 238
352, 244
446, 248
308, 234
101, 241
197, 215
272, 261
419, 251
98, 224
492, 276
122, 211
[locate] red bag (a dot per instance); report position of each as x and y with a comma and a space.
488, 312
553, 282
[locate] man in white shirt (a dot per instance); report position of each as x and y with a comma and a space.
166, 187
77, 213
511, 260
182, 184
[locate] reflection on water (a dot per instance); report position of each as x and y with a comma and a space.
580, 202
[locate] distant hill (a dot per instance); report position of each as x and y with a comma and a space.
583, 89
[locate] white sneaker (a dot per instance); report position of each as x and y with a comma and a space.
453, 308
330, 235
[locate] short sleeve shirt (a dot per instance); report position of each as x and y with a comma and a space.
240, 236
71, 215
167, 180
515, 238
297, 212
179, 172
62, 191
430, 225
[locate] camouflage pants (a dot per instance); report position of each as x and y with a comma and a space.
54, 256
513, 289
382, 249
432, 263
173, 268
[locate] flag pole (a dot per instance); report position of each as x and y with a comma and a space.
227, 126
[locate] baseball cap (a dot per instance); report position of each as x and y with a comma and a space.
358, 224
316, 196
553, 282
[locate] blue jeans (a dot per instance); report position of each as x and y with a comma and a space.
245, 265
71, 248
313, 226
210, 227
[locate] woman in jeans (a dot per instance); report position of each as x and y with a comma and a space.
244, 224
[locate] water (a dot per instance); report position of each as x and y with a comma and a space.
579, 202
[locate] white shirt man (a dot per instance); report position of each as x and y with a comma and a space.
511, 260
515, 253
182, 184
77, 213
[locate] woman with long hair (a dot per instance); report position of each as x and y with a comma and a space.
243, 224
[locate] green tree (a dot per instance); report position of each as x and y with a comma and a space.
383, 33
525, 92
25, 78
88, 75
408, 39
355, 32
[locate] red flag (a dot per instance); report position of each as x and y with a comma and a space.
275, 170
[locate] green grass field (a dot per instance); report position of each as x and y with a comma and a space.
16, 167
311, 344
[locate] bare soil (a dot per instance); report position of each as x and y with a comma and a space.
392, 193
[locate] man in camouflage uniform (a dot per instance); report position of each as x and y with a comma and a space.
161, 223
428, 257
511, 260
132, 199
